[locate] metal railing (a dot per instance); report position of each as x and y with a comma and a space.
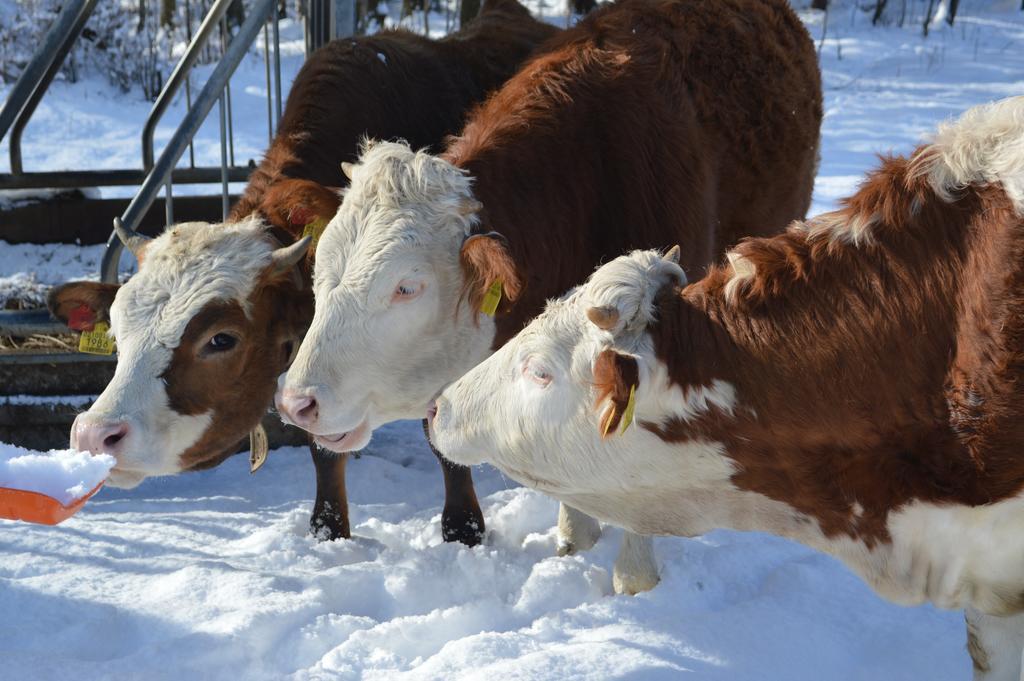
156, 174
37, 76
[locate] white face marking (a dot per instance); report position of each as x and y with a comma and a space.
530, 406
182, 270
390, 327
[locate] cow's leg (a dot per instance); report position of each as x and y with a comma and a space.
461, 520
577, 531
330, 512
635, 568
996, 645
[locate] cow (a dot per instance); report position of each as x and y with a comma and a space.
687, 120
854, 384
216, 310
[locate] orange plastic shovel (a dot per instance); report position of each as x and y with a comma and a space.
35, 507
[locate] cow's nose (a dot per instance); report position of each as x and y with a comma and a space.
300, 408
102, 437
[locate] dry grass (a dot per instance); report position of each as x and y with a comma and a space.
64, 341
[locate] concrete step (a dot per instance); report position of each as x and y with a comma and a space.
42, 392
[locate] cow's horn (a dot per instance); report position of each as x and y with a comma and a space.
133, 241
347, 168
287, 257
672, 255
605, 317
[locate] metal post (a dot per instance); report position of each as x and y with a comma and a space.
223, 157
168, 202
32, 76
343, 18
226, 36
188, 81
43, 83
277, 64
270, 94
164, 165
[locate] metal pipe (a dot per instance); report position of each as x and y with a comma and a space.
178, 76
277, 63
62, 179
225, 37
188, 80
31, 77
223, 159
270, 94
29, 107
168, 203
191, 123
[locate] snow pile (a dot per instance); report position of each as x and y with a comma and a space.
22, 290
214, 575
65, 475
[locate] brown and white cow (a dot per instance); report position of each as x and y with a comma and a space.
212, 318
692, 121
856, 384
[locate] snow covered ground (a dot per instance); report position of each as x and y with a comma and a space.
213, 575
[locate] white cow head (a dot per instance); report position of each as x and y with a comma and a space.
203, 330
399, 279
553, 408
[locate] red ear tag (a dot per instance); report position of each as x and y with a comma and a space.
300, 216
82, 318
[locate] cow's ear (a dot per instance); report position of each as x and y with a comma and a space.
80, 304
491, 276
300, 206
616, 380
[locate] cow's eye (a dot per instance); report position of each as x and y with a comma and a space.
537, 373
407, 290
222, 342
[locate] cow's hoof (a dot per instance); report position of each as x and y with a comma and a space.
327, 525
632, 584
463, 526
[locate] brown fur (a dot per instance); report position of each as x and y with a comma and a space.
875, 373
97, 297
615, 375
346, 92
236, 385
652, 122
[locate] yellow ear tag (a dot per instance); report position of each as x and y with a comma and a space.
608, 422
627, 416
491, 299
97, 341
314, 229
258, 448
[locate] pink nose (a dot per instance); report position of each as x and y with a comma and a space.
300, 408
105, 437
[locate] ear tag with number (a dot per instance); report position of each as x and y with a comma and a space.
491, 299
97, 341
314, 228
259, 445
627, 416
